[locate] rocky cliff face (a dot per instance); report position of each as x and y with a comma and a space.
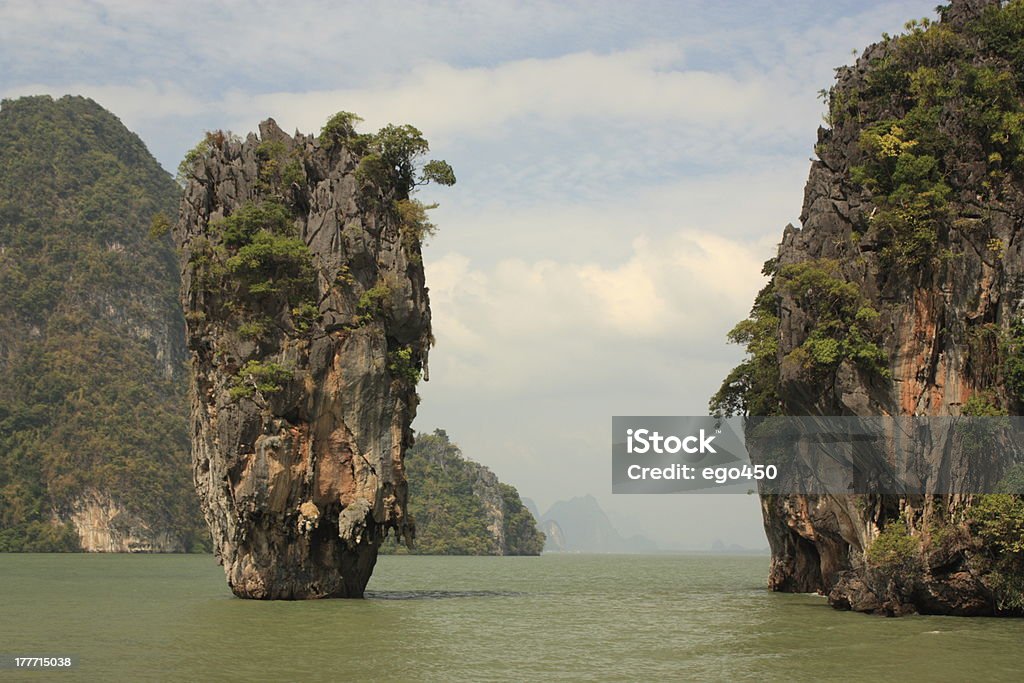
308, 326
104, 525
902, 295
93, 409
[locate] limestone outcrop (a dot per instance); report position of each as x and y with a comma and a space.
901, 294
308, 323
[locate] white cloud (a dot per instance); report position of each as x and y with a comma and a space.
639, 86
135, 104
522, 325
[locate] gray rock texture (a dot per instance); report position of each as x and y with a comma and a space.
301, 484
939, 325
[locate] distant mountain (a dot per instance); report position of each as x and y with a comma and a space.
94, 444
719, 547
581, 525
554, 537
459, 506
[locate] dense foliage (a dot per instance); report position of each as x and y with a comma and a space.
93, 393
843, 330
258, 274
935, 103
997, 522
451, 515
391, 168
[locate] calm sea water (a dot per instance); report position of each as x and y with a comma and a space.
138, 617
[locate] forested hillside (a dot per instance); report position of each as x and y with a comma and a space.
460, 507
93, 436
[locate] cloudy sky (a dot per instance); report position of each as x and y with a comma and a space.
624, 169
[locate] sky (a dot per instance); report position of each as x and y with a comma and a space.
624, 168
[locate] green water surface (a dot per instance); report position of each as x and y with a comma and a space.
556, 617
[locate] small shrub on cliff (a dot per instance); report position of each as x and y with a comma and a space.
895, 550
997, 522
908, 186
211, 140
374, 301
339, 128
997, 519
977, 438
414, 225
1011, 351
413, 220
274, 264
246, 221
403, 366
981, 404
253, 329
257, 376
256, 252
305, 316
1012, 481
279, 170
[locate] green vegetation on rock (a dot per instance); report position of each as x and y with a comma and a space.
459, 506
843, 321
254, 265
935, 102
895, 550
258, 377
997, 522
752, 387
91, 348
844, 329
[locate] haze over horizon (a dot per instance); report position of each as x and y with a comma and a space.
624, 170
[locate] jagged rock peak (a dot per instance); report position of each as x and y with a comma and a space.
309, 326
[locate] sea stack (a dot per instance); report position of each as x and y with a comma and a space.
308, 324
